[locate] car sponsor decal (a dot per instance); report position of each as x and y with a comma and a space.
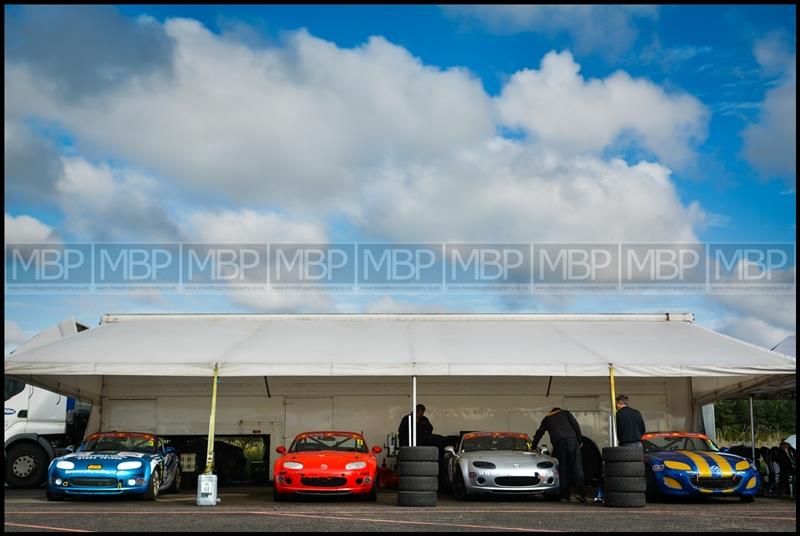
133, 454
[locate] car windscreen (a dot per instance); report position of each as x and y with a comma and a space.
506, 442
668, 443
340, 442
143, 444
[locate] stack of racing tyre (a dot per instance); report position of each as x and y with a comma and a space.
419, 476
624, 477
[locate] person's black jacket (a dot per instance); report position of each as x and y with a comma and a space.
630, 425
424, 431
560, 424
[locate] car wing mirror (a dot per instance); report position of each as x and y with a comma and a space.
544, 450
170, 450
281, 450
449, 450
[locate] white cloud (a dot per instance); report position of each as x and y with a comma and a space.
248, 226
506, 190
606, 30
27, 229
388, 304
754, 330
291, 125
565, 111
107, 203
771, 144
284, 303
371, 135
764, 319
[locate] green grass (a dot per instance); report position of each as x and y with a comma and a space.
771, 437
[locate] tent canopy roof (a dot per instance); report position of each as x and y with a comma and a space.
398, 344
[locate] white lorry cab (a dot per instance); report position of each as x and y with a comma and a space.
39, 424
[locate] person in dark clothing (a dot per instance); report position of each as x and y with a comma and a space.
630, 424
424, 428
565, 434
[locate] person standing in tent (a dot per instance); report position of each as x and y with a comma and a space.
424, 428
565, 435
630, 424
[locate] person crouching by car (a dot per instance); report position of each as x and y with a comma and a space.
565, 435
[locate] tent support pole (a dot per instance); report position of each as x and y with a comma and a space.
613, 406
752, 430
211, 421
413, 411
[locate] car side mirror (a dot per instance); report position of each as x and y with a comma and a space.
170, 450
281, 450
376, 449
449, 450
70, 448
544, 450
724, 449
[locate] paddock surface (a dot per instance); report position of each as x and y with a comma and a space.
252, 509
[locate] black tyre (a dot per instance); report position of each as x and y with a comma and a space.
418, 469
175, 487
277, 496
550, 496
372, 496
652, 493
623, 469
746, 498
418, 483
418, 454
624, 500
459, 488
26, 465
623, 454
626, 484
416, 498
51, 497
153, 487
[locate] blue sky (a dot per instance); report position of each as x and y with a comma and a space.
402, 123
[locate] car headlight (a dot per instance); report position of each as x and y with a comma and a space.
355, 465
292, 465
64, 464
129, 465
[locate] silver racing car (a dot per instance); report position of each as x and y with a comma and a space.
500, 462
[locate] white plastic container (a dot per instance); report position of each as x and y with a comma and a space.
206, 490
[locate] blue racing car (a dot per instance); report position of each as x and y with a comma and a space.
690, 464
115, 463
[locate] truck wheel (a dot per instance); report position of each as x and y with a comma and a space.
26, 465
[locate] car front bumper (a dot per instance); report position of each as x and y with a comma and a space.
320, 482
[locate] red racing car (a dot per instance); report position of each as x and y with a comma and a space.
327, 463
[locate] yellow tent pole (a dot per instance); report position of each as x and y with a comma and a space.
613, 406
210, 450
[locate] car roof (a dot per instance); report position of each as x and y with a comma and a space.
122, 434
650, 435
494, 434
329, 432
